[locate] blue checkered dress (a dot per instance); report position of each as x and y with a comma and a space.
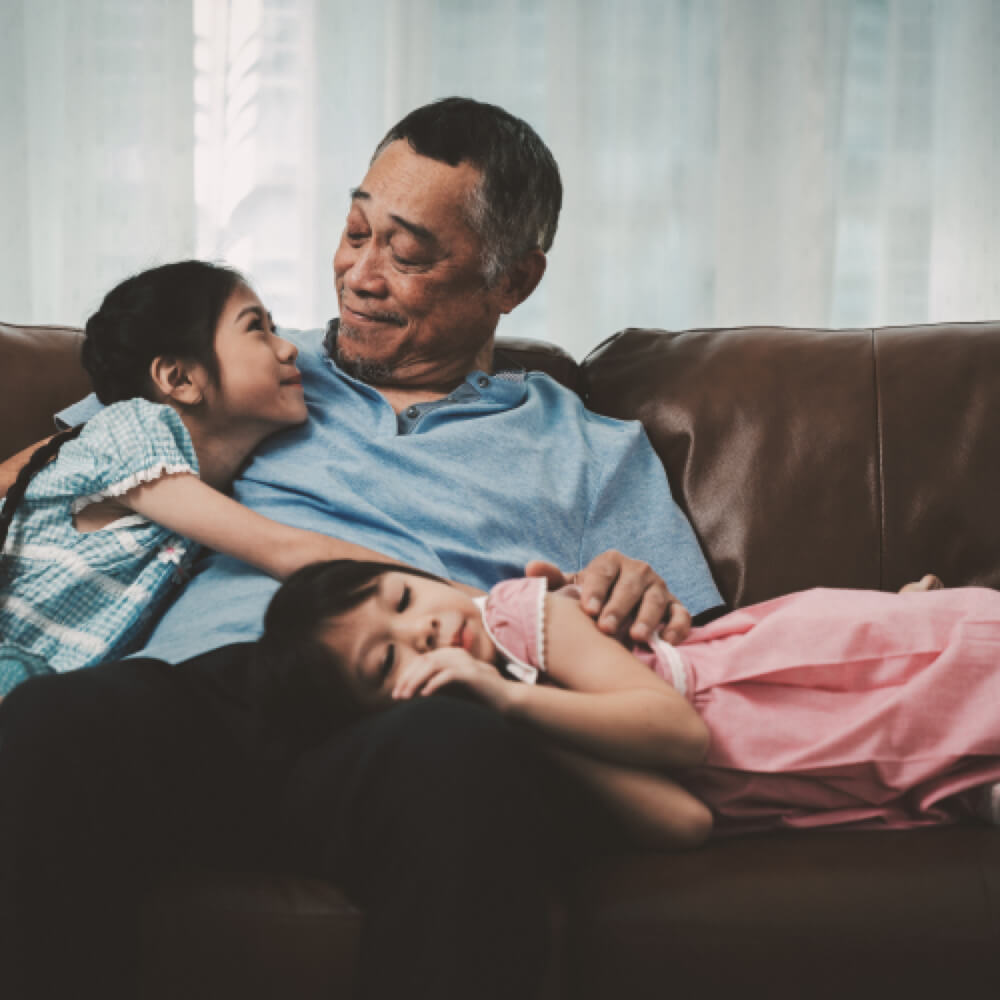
71, 600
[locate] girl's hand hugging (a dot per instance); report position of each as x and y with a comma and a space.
429, 672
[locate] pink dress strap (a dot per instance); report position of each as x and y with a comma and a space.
514, 617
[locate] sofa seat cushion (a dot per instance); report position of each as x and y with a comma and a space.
831, 914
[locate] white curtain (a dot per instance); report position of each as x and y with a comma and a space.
725, 162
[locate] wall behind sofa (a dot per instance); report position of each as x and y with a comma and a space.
798, 162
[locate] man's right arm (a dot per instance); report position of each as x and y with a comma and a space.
633, 514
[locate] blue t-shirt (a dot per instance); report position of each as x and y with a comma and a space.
509, 467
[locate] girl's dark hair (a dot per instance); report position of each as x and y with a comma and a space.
168, 310
300, 686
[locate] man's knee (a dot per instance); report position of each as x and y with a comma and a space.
67, 747
48, 730
37, 715
451, 780
436, 778
451, 750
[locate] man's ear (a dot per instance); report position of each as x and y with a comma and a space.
522, 279
177, 380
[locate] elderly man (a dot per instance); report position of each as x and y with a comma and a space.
422, 444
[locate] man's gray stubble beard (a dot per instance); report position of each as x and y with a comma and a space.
369, 372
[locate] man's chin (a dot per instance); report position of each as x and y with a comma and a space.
365, 370
347, 349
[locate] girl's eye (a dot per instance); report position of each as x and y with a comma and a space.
404, 600
385, 668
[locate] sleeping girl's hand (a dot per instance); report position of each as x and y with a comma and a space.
430, 672
927, 582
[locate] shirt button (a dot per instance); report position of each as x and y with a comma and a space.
412, 412
482, 381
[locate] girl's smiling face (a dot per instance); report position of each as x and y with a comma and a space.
259, 383
405, 617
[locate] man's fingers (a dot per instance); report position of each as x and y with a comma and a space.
646, 619
598, 584
630, 591
554, 576
678, 624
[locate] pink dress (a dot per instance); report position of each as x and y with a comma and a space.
827, 707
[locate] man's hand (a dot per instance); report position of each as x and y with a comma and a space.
616, 591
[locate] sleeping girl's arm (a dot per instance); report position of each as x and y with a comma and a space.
184, 504
608, 705
654, 811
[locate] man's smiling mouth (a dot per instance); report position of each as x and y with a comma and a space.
363, 317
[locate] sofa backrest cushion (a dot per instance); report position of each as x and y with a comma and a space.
40, 374
859, 458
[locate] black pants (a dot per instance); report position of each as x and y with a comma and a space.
436, 817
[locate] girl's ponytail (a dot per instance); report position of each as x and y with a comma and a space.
40, 457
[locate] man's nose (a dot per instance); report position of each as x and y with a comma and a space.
363, 274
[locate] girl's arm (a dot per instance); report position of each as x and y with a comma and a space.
183, 504
654, 811
607, 705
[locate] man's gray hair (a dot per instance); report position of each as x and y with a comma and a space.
515, 208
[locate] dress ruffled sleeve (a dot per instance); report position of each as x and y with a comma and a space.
121, 447
514, 616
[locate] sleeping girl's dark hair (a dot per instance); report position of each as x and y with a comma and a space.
168, 310
301, 693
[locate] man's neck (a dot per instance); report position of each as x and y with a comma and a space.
400, 398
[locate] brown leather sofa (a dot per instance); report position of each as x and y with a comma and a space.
860, 458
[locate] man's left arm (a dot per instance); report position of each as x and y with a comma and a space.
640, 557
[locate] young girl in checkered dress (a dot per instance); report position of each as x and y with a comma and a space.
104, 520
